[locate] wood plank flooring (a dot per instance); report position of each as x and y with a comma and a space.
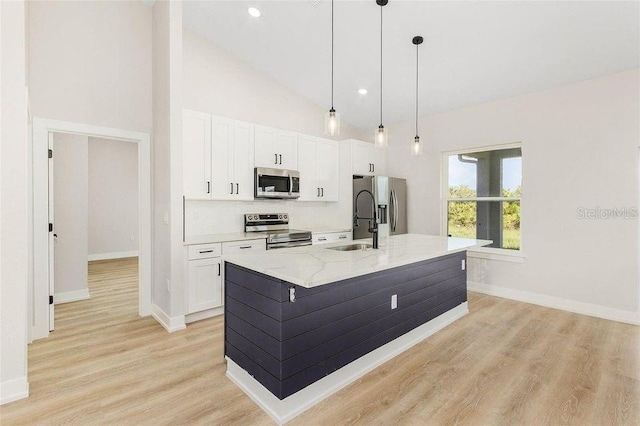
506, 363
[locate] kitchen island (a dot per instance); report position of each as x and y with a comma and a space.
302, 323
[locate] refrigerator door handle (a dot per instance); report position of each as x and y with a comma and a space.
392, 211
396, 208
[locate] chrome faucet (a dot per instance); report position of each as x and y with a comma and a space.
372, 228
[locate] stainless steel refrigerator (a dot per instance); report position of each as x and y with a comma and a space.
390, 202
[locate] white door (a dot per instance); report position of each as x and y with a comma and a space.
196, 155
287, 150
222, 187
205, 284
327, 170
52, 237
309, 187
242, 160
265, 147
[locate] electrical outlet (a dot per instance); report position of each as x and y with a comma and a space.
394, 301
168, 285
132, 238
165, 218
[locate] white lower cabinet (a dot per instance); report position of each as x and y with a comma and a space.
330, 237
205, 266
205, 284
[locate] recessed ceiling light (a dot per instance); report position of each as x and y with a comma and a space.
362, 91
254, 12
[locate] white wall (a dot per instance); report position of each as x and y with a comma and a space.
580, 149
90, 62
218, 83
71, 224
167, 159
13, 204
113, 198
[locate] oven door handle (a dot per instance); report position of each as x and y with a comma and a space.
271, 246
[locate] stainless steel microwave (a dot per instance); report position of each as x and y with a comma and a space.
276, 183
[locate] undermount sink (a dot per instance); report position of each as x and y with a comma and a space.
351, 247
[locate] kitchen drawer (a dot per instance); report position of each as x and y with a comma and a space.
204, 251
331, 237
244, 246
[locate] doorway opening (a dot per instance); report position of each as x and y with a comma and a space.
45, 292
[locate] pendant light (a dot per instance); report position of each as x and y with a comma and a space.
332, 118
381, 138
416, 146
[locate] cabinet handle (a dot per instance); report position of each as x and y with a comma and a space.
276, 158
322, 192
318, 192
373, 167
237, 188
219, 269
342, 237
370, 167
244, 247
231, 188
322, 239
208, 187
280, 158
206, 251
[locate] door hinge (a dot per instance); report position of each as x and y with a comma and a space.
51, 227
50, 153
51, 300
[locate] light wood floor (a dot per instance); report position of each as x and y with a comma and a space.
506, 363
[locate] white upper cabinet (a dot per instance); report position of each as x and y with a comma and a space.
318, 162
367, 159
196, 154
217, 157
276, 149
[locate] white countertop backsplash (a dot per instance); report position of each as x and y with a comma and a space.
311, 266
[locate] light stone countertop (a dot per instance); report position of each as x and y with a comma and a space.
311, 266
222, 238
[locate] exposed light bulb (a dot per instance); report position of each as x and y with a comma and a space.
254, 12
381, 136
416, 146
332, 123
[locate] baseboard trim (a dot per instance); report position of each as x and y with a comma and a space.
116, 255
70, 296
284, 410
557, 303
197, 316
170, 324
13, 390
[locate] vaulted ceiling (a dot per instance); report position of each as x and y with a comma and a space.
473, 52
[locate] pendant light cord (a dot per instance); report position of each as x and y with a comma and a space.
417, 67
381, 65
331, 54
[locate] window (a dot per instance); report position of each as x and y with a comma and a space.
483, 195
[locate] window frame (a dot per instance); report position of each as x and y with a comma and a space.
507, 255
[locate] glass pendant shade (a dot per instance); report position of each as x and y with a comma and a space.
332, 123
381, 137
416, 146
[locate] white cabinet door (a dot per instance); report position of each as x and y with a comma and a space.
196, 154
327, 169
379, 161
361, 158
205, 284
221, 172
242, 159
265, 147
309, 187
275, 148
287, 150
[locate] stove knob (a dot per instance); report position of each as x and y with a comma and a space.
279, 216
286, 216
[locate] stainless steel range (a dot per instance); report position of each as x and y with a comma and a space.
275, 227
